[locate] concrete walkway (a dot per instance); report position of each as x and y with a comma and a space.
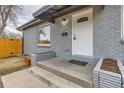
21, 79
1, 84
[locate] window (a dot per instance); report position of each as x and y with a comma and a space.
44, 36
122, 23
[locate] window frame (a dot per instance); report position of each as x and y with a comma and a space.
122, 22
43, 45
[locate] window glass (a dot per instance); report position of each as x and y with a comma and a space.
44, 36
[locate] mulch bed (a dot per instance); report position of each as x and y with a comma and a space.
9, 65
110, 65
12, 64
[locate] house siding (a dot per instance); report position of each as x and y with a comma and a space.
106, 35
62, 45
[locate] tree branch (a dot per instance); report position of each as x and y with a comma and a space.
8, 13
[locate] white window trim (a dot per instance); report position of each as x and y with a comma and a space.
122, 22
45, 45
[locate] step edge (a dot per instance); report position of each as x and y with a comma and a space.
48, 79
83, 80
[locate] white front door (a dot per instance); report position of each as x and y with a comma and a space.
82, 33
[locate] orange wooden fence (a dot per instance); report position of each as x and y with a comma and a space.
10, 47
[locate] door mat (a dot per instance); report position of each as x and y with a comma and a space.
78, 62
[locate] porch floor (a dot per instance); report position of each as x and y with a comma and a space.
83, 73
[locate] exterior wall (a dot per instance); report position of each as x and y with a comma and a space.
30, 41
106, 35
62, 44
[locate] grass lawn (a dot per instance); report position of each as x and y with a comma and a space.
11, 64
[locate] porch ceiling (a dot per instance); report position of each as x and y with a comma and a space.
50, 12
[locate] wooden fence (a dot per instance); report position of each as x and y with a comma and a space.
10, 47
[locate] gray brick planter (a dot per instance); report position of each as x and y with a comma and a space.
106, 79
37, 57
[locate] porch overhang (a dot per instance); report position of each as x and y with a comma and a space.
51, 12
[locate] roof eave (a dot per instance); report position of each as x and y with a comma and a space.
41, 10
45, 14
32, 22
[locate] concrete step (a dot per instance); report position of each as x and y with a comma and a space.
51, 79
70, 72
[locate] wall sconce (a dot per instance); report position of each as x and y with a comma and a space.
64, 22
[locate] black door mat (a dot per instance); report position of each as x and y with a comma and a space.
78, 62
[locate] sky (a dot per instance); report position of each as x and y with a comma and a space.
28, 10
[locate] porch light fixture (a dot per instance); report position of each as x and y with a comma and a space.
64, 22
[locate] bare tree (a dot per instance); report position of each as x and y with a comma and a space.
8, 13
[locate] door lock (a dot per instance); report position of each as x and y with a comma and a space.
74, 38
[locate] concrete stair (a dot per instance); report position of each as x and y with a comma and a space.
68, 76
58, 72
51, 79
